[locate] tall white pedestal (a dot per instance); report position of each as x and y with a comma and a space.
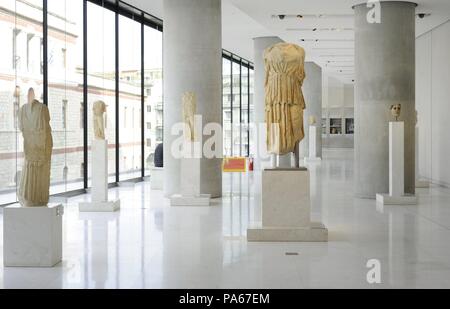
190, 194
286, 209
157, 178
99, 175
396, 194
314, 135
32, 236
419, 183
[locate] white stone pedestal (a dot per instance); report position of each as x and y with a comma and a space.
157, 178
419, 183
286, 209
32, 236
396, 194
190, 194
99, 192
314, 135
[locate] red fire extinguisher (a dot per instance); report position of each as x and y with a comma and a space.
250, 164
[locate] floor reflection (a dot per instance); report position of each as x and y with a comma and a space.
149, 244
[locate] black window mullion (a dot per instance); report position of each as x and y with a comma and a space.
117, 93
85, 97
248, 111
142, 99
45, 50
240, 108
231, 107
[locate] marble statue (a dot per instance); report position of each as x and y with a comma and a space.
284, 101
34, 123
99, 110
189, 110
312, 120
396, 111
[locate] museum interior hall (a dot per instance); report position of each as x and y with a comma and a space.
224, 144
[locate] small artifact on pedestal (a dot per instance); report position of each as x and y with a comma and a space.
396, 111
312, 120
99, 191
190, 170
33, 230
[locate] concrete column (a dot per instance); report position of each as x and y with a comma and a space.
312, 91
385, 75
260, 45
192, 62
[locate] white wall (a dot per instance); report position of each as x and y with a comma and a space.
433, 104
338, 102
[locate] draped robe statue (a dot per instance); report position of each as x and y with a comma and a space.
99, 110
189, 110
284, 101
34, 123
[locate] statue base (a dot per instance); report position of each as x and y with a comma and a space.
100, 206
396, 195
32, 236
157, 178
286, 209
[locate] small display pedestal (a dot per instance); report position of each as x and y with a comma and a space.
396, 194
157, 178
286, 209
314, 135
190, 181
100, 202
32, 236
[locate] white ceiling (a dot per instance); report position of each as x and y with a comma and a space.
245, 19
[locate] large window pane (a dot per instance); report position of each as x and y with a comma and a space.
226, 105
154, 106
20, 69
236, 110
101, 77
244, 112
252, 112
65, 93
130, 99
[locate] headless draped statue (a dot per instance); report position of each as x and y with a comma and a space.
99, 110
189, 110
284, 101
34, 123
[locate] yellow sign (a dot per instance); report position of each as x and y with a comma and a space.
235, 165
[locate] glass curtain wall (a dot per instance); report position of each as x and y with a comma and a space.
62, 61
237, 105
226, 108
153, 95
101, 46
130, 155
65, 93
21, 69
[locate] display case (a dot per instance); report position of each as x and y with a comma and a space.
335, 126
349, 126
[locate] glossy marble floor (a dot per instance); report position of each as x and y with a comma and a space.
151, 245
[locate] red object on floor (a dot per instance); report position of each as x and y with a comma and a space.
250, 165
